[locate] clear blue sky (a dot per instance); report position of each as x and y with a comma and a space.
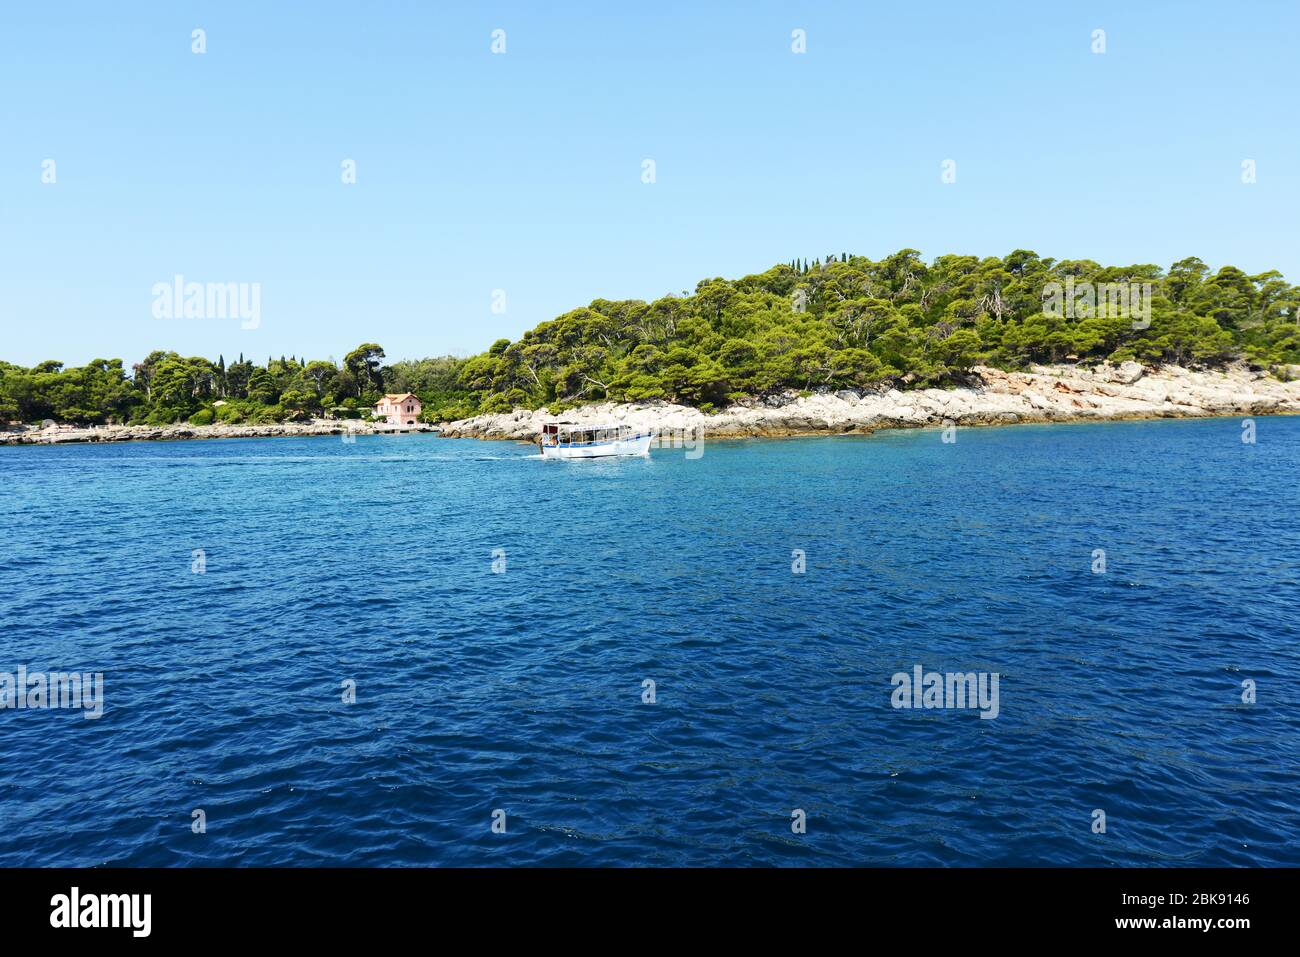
522, 172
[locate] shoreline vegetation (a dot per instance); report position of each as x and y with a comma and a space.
992, 397
841, 343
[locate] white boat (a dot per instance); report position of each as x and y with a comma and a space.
570, 440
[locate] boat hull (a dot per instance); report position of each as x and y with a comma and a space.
632, 445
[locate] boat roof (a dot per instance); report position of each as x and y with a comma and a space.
588, 427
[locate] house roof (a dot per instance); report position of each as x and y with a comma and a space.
401, 398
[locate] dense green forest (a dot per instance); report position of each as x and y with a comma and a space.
838, 322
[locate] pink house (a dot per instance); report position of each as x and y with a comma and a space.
401, 409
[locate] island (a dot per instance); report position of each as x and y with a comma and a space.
838, 344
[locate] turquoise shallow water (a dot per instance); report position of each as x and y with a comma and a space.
372, 562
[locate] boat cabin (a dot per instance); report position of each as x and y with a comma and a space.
575, 435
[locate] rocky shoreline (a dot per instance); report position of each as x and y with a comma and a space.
59, 434
1062, 393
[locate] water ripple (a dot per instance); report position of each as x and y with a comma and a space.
372, 563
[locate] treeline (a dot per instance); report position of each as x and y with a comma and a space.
167, 387
839, 322
849, 322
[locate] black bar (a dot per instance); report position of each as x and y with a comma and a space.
333, 906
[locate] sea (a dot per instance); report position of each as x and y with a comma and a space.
415, 651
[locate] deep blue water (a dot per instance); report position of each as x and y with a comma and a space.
522, 691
